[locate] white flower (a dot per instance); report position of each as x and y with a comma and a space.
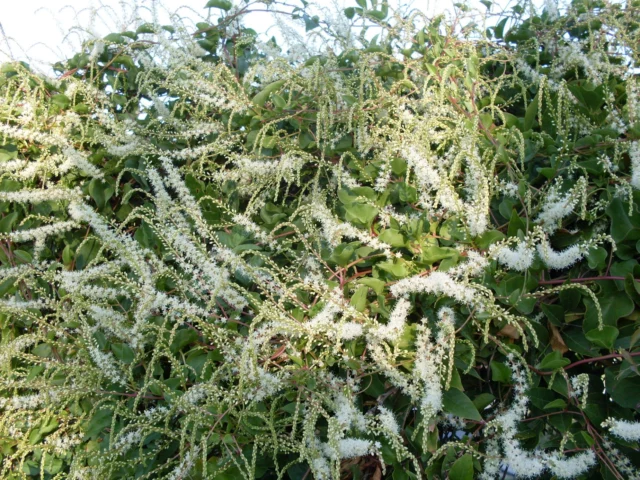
321, 469
634, 155
439, 283
558, 205
351, 330
351, 448
560, 260
39, 196
625, 429
347, 414
105, 363
75, 159
388, 420
519, 258
393, 329
96, 51
571, 467
184, 467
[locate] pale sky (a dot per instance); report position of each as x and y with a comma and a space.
44, 31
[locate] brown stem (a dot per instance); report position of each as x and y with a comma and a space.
530, 419
586, 360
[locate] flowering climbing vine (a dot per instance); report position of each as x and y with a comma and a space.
411, 253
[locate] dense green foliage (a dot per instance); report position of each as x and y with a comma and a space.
408, 255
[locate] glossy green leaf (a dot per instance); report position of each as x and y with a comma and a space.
260, 98
359, 298
553, 361
392, 237
376, 284
123, 352
530, 115
604, 338
462, 469
221, 4
457, 403
500, 372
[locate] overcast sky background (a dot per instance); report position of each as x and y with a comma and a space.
45, 31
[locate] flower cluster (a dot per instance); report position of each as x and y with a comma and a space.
625, 429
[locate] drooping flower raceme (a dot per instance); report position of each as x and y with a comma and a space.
625, 429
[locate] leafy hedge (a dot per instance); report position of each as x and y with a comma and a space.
410, 255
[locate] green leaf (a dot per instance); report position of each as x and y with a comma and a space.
626, 391
310, 22
86, 253
43, 350
100, 420
349, 12
433, 254
115, 38
125, 60
516, 223
6, 285
554, 313
342, 254
499, 28
61, 100
182, 338
221, 4
553, 361
530, 114
392, 237
279, 101
23, 256
81, 108
96, 190
402, 474
359, 298
360, 214
541, 396
398, 268
8, 222
500, 372
261, 98
375, 386
408, 337
623, 227
457, 403
145, 235
8, 152
483, 400
577, 342
597, 258
488, 238
614, 304
604, 338
196, 359
376, 14
557, 403
462, 469
376, 284
52, 465
146, 28
123, 352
